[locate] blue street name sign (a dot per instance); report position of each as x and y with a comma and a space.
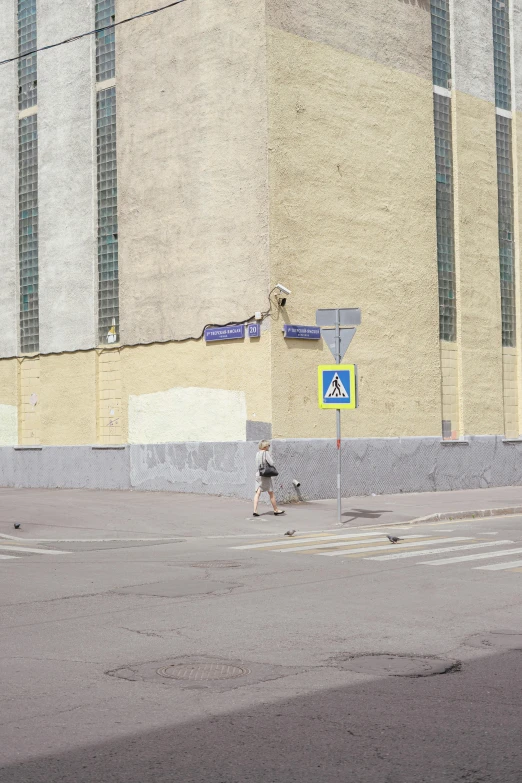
212, 335
302, 332
254, 330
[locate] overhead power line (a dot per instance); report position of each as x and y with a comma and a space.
91, 32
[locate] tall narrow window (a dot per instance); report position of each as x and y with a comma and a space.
502, 61
28, 232
445, 218
105, 40
108, 284
441, 64
28, 178
27, 43
441, 59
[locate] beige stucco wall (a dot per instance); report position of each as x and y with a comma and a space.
67, 399
160, 377
352, 221
192, 169
479, 327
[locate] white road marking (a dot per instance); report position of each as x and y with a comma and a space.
305, 540
388, 546
7, 557
294, 548
466, 558
97, 540
23, 549
423, 552
499, 566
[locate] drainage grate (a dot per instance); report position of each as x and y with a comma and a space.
217, 564
198, 672
399, 665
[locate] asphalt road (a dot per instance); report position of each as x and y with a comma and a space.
193, 660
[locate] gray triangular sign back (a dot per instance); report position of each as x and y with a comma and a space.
347, 336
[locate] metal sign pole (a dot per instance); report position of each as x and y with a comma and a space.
338, 341
338, 359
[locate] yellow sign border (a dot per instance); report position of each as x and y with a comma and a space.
352, 405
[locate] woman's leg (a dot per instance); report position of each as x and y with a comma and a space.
273, 501
256, 499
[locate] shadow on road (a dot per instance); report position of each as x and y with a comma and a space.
464, 726
364, 513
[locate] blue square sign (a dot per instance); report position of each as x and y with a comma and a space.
337, 386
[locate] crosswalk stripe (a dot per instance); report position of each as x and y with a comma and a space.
390, 546
423, 552
304, 540
335, 544
7, 557
466, 558
499, 566
23, 549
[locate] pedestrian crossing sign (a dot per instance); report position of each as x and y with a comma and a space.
338, 386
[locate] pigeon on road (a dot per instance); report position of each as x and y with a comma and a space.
394, 539
17, 525
290, 533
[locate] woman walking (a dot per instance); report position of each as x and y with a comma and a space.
265, 464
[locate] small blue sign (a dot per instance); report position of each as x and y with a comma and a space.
212, 334
254, 330
302, 332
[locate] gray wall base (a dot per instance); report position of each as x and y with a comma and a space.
370, 465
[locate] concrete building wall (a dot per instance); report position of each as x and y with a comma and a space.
8, 180
395, 33
191, 108
352, 219
516, 36
472, 37
66, 162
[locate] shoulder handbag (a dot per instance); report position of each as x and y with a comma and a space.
266, 470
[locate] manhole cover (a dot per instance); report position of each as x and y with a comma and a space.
217, 564
197, 672
399, 665
501, 639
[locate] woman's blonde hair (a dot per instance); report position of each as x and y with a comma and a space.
264, 444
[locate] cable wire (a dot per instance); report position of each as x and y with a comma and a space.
91, 32
106, 348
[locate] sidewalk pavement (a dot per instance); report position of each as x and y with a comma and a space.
60, 514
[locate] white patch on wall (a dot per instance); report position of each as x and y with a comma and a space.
187, 414
8, 425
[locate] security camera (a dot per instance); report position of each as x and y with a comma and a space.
296, 483
283, 289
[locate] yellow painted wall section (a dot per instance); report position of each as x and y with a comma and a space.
479, 332
238, 365
510, 383
109, 409
352, 223
30, 402
68, 399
